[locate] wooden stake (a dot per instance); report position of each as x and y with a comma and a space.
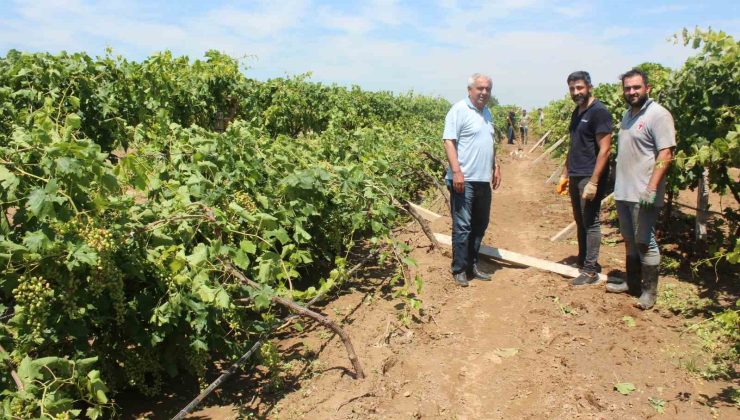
549, 150
555, 174
525, 260
702, 204
539, 142
568, 230
426, 214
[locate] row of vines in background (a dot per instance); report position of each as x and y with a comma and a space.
703, 96
126, 186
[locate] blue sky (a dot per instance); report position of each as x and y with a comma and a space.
430, 47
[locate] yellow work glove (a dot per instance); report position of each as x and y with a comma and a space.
589, 191
562, 187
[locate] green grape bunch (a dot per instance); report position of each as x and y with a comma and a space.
243, 199
34, 296
99, 239
143, 371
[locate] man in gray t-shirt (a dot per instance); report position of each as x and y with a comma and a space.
647, 137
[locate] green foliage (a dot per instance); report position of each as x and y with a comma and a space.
557, 119
704, 99
657, 404
720, 338
125, 186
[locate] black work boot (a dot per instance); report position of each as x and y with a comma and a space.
632, 285
461, 279
649, 287
478, 274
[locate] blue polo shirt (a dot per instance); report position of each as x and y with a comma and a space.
472, 131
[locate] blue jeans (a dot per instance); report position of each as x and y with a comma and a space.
510, 134
470, 213
637, 225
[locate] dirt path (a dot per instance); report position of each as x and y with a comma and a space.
525, 345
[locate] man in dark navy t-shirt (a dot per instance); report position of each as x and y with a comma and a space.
586, 170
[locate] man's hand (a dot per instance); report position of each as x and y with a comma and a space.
647, 198
496, 180
458, 181
562, 187
589, 191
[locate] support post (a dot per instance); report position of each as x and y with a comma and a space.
555, 174
549, 150
702, 205
540, 141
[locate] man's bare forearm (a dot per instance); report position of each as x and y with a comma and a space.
662, 162
451, 153
602, 159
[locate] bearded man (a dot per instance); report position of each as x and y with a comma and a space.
585, 172
647, 137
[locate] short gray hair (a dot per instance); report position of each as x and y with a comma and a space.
476, 76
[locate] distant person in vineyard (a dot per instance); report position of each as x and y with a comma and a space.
586, 171
541, 118
468, 143
510, 126
523, 130
647, 137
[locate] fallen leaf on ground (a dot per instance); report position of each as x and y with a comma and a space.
624, 388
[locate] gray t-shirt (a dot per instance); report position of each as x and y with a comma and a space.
641, 137
472, 131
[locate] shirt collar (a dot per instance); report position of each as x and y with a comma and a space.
470, 105
643, 108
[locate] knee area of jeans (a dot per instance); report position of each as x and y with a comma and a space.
643, 248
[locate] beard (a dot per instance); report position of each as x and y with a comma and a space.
581, 98
637, 101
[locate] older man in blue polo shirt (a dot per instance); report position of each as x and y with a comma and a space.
468, 142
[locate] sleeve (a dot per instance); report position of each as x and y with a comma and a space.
450, 131
603, 123
664, 131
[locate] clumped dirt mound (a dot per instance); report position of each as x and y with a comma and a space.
524, 345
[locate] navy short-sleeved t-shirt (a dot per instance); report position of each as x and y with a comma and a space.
584, 148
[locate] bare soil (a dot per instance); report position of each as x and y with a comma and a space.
524, 345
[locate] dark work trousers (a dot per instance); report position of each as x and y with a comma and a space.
586, 216
470, 213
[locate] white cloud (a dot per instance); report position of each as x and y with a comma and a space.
380, 45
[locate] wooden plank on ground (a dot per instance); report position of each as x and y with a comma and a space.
568, 230
536, 145
521, 259
549, 150
426, 214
